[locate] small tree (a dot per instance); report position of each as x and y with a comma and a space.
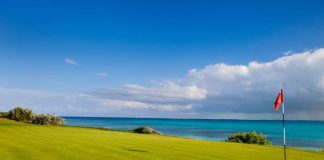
21, 114
47, 119
249, 137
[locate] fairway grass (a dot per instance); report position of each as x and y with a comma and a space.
32, 142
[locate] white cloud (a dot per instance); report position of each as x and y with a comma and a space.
102, 74
131, 105
287, 53
168, 90
221, 71
40, 101
165, 96
238, 91
124, 104
164, 92
70, 61
252, 88
215, 91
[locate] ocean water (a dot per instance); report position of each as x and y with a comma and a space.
300, 134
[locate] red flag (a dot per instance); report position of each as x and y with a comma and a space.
279, 100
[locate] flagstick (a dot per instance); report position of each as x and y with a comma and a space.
284, 129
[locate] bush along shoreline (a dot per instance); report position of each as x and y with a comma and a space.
26, 115
249, 138
145, 130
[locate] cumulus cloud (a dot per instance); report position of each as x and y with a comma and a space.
234, 91
252, 88
70, 61
215, 91
287, 53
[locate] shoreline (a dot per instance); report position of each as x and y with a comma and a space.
207, 119
194, 138
301, 134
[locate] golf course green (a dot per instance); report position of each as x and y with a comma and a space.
31, 142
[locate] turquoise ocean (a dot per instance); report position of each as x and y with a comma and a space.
300, 134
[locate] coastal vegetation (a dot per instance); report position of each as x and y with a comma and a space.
21, 114
146, 130
26, 115
250, 138
3, 114
47, 142
47, 119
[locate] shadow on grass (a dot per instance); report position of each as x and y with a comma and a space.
134, 150
102, 128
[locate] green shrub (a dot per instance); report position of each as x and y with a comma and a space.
26, 115
47, 119
249, 137
146, 130
4, 114
21, 114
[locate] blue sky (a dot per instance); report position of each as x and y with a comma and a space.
151, 44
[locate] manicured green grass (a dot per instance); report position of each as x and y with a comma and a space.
26, 141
